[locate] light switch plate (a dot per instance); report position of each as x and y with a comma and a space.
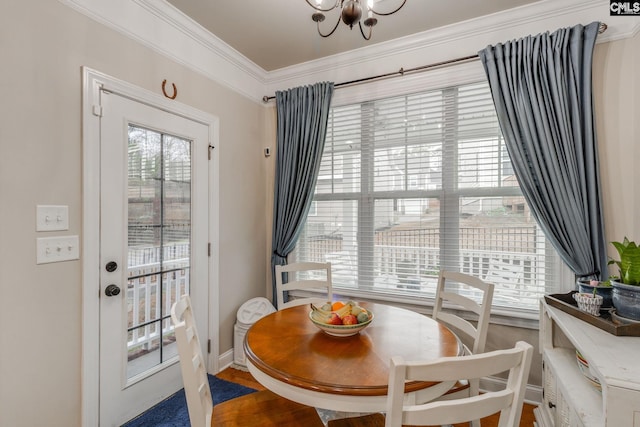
52, 218
57, 249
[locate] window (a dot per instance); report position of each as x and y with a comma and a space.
415, 183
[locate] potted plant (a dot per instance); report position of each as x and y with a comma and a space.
626, 287
596, 287
590, 303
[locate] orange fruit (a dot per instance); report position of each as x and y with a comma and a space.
337, 305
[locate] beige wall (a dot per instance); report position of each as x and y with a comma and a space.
43, 48
616, 92
270, 132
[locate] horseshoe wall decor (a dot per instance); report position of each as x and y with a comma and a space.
164, 90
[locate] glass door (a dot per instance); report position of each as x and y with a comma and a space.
153, 240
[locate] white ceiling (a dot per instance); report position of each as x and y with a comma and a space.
275, 34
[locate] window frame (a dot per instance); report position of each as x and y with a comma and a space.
436, 80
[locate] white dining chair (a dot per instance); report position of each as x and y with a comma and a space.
508, 401
314, 276
507, 277
480, 306
474, 335
261, 408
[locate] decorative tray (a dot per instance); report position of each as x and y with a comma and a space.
566, 303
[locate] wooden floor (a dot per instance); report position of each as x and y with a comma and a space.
245, 379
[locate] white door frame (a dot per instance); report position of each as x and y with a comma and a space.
92, 82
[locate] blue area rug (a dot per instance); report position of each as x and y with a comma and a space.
173, 412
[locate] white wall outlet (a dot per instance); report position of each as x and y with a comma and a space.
52, 218
57, 249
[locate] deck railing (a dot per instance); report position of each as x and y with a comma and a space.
151, 293
415, 269
402, 267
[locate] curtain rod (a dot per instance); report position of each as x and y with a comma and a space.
402, 71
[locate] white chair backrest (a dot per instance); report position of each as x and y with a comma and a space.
194, 370
507, 401
303, 276
501, 271
507, 277
478, 334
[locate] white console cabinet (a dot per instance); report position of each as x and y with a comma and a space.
569, 399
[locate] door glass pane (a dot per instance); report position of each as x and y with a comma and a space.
159, 230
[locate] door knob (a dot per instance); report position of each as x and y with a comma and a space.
111, 266
112, 291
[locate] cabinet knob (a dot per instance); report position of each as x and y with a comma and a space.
551, 405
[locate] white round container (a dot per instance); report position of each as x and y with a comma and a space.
248, 313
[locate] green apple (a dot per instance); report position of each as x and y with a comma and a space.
363, 317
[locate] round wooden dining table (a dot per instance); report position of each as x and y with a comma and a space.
290, 356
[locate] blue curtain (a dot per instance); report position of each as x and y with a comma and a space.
542, 91
301, 129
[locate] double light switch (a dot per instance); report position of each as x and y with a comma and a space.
52, 218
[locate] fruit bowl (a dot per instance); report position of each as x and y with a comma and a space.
340, 330
340, 319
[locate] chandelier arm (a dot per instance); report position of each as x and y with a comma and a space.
319, 9
362, 31
387, 13
332, 31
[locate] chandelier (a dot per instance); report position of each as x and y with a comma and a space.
352, 11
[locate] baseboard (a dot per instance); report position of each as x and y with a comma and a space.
225, 360
533, 394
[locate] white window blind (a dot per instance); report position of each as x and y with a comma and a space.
416, 183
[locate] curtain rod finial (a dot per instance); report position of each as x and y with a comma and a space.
602, 28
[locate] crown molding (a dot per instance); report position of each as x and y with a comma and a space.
199, 34
457, 40
163, 28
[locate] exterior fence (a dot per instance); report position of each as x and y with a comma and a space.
410, 260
